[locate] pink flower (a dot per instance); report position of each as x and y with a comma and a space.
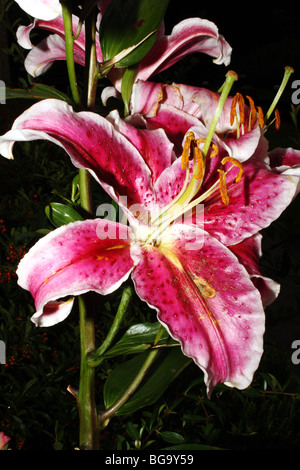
197, 269
3, 440
189, 36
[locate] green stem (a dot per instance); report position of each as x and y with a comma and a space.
88, 421
91, 63
107, 414
85, 191
96, 358
88, 433
69, 44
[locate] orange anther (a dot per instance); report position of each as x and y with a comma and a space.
223, 188
190, 137
199, 170
253, 117
277, 120
215, 150
261, 118
236, 163
237, 100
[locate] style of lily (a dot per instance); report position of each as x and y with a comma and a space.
196, 272
189, 36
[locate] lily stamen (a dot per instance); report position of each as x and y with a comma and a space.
190, 137
223, 189
238, 102
235, 163
253, 113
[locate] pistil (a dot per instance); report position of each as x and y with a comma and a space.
287, 73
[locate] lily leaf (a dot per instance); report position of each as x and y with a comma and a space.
37, 92
138, 338
159, 377
126, 24
127, 84
61, 214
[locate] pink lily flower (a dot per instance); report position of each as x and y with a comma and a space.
189, 36
192, 268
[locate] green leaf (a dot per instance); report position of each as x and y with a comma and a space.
138, 338
127, 23
172, 437
159, 377
37, 92
61, 214
127, 84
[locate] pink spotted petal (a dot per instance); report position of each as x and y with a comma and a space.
175, 123
145, 98
177, 108
249, 252
255, 201
285, 161
187, 37
93, 255
43, 9
170, 183
154, 146
206, 300
91, 142
50, 49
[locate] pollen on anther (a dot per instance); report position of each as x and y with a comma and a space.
215, 150
277, 120
190, 137
236, 163
223, 188
199, 170
252, 120
237, 100
261, 118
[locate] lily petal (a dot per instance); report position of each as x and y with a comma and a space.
285, 161
71, 260
249, 252
187, 37
50, 49
91, 142
206, 300
154, 146
255, 201
176, 108
42, 9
